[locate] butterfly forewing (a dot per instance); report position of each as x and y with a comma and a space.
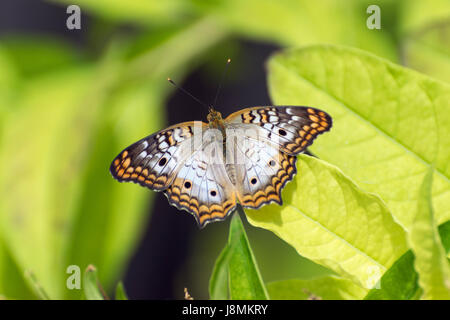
292, 128
273, 136
154, 161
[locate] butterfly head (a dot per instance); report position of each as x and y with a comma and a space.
214, 118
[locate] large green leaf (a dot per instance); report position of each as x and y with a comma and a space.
325, 288
236, 274
331, 221
390, 123
431, 261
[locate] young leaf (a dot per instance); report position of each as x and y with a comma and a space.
218, 283
245, 282
236, 274
389, 123
325, 288
120, 292
397, 283
431, 262
91, 284
331, 221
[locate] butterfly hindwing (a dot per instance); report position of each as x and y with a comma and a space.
292, 128
202, 186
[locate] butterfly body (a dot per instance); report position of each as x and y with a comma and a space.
207, 168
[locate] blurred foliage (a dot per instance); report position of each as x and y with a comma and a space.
65, 111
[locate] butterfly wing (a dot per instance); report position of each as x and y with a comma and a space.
267, 140
261, 170
202, 186
154, 160
292, 128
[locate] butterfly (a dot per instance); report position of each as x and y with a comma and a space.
208, 168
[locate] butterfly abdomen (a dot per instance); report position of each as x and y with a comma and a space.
231, 171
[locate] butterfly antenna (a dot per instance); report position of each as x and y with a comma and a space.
221, 81
188, 93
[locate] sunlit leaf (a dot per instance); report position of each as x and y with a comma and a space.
330, 220
389, 123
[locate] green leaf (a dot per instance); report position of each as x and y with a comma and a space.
91, 284
218, 283
444, 233
397, 283
245, 281
120, 292
389, 123
325, 288
431, 262
236, 274
332, 222
400, 281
